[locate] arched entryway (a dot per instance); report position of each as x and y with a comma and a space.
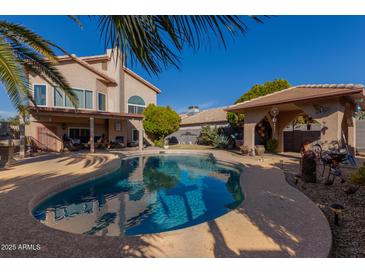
263, 132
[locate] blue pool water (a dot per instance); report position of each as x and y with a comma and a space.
148, 194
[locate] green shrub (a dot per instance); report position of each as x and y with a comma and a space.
359, 176
272, 145
160, 121
221, 141
159, 142
207, 135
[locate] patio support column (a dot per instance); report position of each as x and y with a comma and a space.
140, 135
249, 135
252, 117
92, 147
21, 137
351, 132
351, 128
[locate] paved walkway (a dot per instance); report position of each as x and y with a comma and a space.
275, 220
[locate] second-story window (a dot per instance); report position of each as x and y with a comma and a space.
136, 105
40, 95
88, 99
80, 97
84, 98
101, 101
59, 97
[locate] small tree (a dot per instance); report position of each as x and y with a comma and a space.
207, 135
160, 121
256, 91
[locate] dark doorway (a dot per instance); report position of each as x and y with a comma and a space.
83, 134
293, 140
263, 132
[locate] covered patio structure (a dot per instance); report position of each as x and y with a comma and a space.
332, 105
51, 125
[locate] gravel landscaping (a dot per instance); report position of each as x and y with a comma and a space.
349, 236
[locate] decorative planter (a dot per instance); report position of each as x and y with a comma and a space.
166, 147
259, 150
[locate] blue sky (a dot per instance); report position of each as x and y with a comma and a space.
301, 49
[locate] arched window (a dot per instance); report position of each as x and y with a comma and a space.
136, 105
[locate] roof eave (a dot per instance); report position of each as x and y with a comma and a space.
83, 113
241, 107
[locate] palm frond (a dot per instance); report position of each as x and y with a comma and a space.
12, 76
36, 54
76, 20
138, 38
36, 64
16, 32
157, 41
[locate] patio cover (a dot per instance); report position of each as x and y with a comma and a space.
302, 93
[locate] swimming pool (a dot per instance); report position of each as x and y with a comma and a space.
147, 194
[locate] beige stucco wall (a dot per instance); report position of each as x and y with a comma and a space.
135, 87
330, 118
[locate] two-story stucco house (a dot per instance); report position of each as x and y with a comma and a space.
111, 99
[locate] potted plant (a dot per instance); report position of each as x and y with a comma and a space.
259, 150
272, 145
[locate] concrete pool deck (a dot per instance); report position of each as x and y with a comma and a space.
275, 219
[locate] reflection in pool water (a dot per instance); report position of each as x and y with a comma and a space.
148, 194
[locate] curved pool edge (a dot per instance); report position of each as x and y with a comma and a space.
113, 167
53, 190
170, 245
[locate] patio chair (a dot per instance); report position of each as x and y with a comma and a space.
70, 144
101, 142
117, 143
